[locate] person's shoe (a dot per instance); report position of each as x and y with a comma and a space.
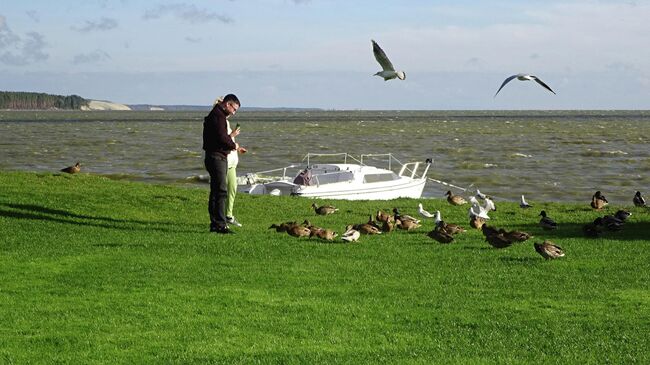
224, 230
233, 221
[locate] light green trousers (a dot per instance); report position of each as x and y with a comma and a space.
231, 179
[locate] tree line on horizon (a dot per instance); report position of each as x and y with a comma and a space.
31, 101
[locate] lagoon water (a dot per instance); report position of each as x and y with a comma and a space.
546, 155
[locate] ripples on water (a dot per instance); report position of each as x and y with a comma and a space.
546, 155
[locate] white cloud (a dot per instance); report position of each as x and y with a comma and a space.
186, 12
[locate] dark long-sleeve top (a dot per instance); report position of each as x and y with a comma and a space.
215, 133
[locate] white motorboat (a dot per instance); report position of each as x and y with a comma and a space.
349, 181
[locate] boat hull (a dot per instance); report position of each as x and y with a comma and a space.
411, 188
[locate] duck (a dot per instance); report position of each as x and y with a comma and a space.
407, 224
282, 227
366, 228
598, 201
439, 234
382, 216
387, 226
546, 222
549, 250
498, 240
72, 169
397, 216
298, 231
523, 204
593, 229
455, 199
516, 236
324, 234
638, 200
373, 223
324, 209
350, 235
488, 231
476, 221
622, 215
612, 223
423, 212
448, 227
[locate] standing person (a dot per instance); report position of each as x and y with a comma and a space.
233, 160
218, 143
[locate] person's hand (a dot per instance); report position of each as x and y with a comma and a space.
242, 150
235, 133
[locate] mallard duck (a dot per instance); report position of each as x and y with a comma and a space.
439, 234
350, 235
298, 231
387, 227
324, 209
523, 203
382, 216
447, 227
455, 199
324, 234
612, 223
623, 215
407, 224
549, 250
366, 228
72, 169
282, 227
598, 201
373, 223
638, 200
398, 216
476, 221
488, 231
498, 240
423, 212
517, 236
593, 229
546, 222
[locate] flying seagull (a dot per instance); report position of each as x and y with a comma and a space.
524, 77
388, 71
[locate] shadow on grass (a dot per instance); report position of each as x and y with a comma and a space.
632, 230
36, 212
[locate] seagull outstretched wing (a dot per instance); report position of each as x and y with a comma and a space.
504, 83
542, 83
381, 57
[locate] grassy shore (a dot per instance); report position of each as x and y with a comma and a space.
101, 271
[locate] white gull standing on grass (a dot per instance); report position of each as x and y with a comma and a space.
388, 71
524, 77
523, 203
423, 212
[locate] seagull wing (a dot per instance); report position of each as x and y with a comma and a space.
542, 83
381, 57
505, 82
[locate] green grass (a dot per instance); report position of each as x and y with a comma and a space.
101, 271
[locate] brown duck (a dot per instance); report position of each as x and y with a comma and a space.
298, 231
383, 217
324, 209
455, 199
72, 169
516, 236
439, 234
598, 201
546, 222
407, 225
282, 227
476, 222
324, 234
366, 228
549, 250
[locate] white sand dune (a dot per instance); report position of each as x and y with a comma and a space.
104, 105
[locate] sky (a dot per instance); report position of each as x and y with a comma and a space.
318, 53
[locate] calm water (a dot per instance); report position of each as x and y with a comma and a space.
546, 155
